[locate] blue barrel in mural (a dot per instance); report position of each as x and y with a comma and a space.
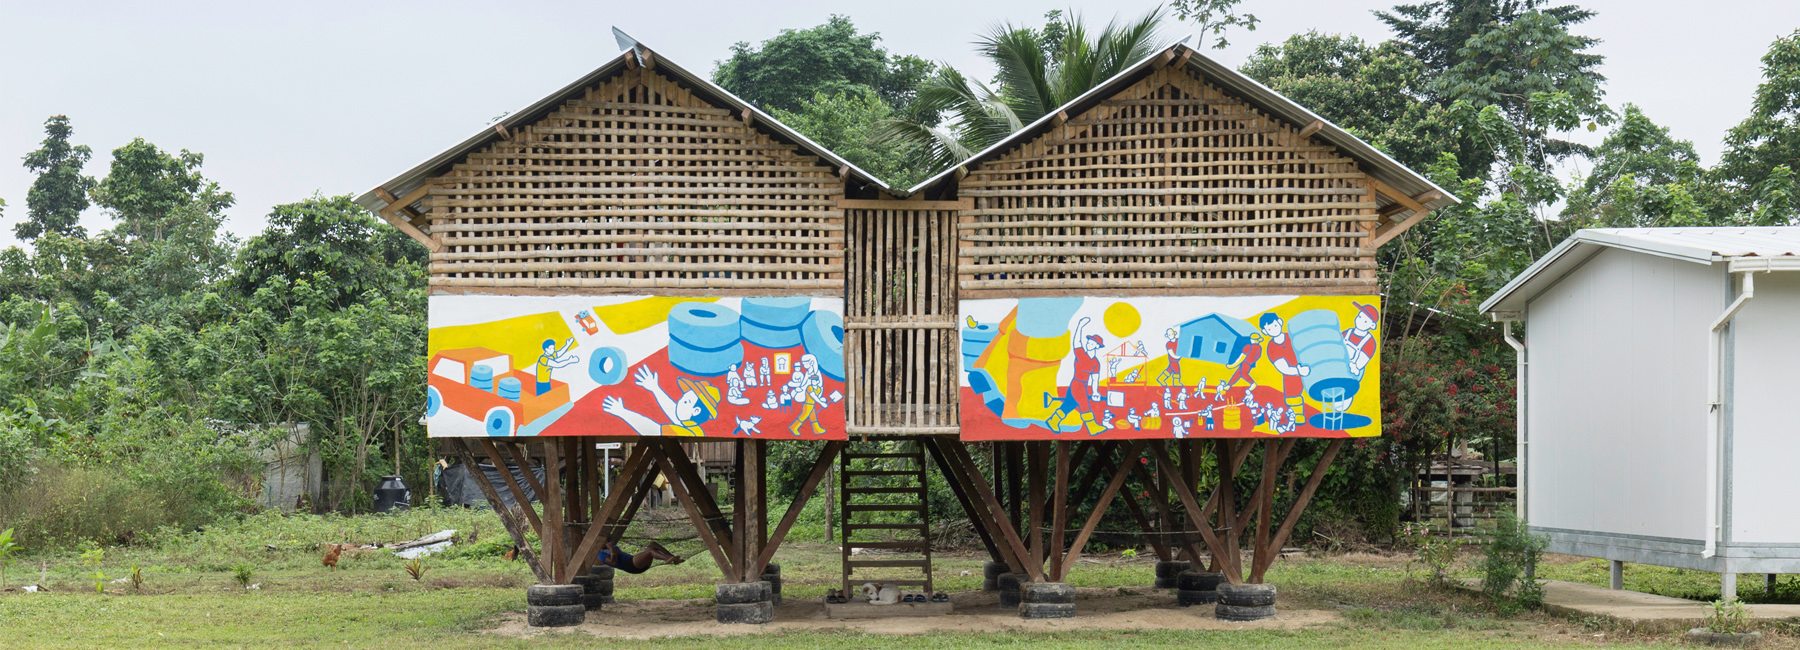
975, 340
1319, 343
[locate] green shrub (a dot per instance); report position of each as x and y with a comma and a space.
1509, 573
1727, 617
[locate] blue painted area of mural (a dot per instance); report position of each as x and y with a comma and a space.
975, 341
705, 363
1045, 317
771, 337
776, 313
983, 384
1213, 338
822, 334
433, 401
703, 325
499, 422
1319, 344
607, 366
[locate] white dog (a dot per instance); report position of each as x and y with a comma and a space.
879, 594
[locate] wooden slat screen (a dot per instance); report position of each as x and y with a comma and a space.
901, 347
639, 185
1170, 184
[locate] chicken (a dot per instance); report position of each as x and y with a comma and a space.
331, 556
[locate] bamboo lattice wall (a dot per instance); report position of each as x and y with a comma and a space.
901, 346
1171, 184
638, 186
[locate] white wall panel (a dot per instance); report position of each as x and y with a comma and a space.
1617, 396
1765, 431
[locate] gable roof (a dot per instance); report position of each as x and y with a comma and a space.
1754, 247
640, 55
1373, 162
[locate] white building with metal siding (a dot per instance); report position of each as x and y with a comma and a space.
1660, 397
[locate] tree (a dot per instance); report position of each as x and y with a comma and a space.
1376, 92
60, 193
789, 69
1034, 80
168, 218
843, 122
1762, 153
329, 237
1641, 177
1214, 17
1511, 55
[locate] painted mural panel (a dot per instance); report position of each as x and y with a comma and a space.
1171, 367
636, 366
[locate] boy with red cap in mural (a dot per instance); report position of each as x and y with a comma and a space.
699, 403
1360, 340
1084, 386
1281, 355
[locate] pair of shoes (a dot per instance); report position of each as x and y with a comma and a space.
835, 597
940, 597
913, 598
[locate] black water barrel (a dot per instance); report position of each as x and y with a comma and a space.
392, 493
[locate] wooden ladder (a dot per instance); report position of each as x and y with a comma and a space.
883, 500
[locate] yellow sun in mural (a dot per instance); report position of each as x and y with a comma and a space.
1122, 319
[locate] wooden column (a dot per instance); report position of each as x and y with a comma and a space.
1034, 470
1059, 511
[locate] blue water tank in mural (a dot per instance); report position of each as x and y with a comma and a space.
975, 341
1319, 343
1214, 337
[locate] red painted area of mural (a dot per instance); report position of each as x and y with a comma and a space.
1231, 417
757, 419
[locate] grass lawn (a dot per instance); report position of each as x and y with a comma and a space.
470, 596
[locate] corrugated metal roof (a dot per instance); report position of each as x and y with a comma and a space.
1375, 163
1698, 245
439, 164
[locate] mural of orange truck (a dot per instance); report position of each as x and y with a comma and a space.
483, 384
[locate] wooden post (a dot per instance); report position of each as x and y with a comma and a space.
551, 534
1059, 512
510, 519
1232, 559
1034, 470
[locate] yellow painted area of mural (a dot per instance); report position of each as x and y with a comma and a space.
522, 336
1122, 319
638, 315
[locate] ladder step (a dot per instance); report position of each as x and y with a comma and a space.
887, 564
919, 544
898, 583
884, 455
852, 527
881, 472
884, 490
885, 508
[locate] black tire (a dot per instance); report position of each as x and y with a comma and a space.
1187, 598
741, 593
992, 570
747, 613
1239, 613
553, 595
586, 582
1163, 583
1247, 595
1172, 569
601, 572
1198, 581
1059, 593
603, 587
555, 615
593, 602
990, 584
772, 575
1046, 610
1010, 586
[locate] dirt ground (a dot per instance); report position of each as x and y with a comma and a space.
1097, 609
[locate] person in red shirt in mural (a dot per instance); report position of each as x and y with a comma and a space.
1281, 355
1084, 386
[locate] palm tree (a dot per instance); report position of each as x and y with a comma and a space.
1039, 71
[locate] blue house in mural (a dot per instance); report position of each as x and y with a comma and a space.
1215, 338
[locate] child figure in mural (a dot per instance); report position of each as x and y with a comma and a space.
698, 404
808, 388
1360, 340
1171, 374
553, 357
1281, 355
1084, 386
734, 387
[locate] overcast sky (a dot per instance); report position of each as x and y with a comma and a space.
288, 99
